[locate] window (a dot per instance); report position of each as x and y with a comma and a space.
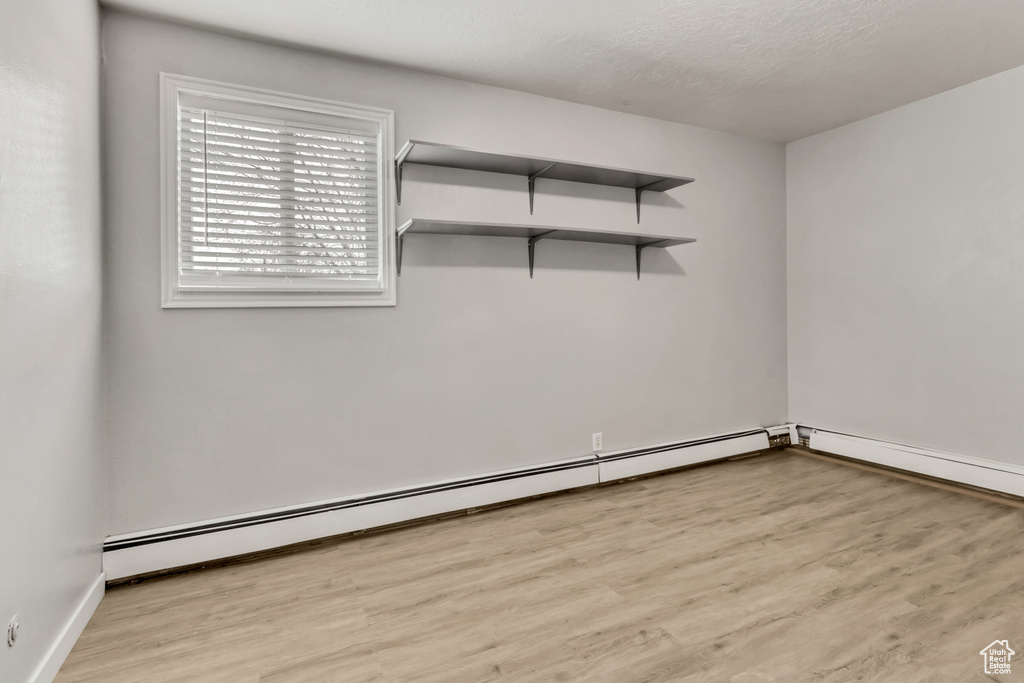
274, 200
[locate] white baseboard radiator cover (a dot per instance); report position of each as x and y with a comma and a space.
135, 554
993, 475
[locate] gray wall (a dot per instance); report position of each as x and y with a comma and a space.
51, 471
478, 368
906, 273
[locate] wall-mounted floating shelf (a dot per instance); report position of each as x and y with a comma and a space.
533, 234
449, 156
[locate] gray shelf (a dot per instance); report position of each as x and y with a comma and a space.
533, 234
450, 156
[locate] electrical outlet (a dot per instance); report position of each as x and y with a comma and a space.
598, 440
12, 631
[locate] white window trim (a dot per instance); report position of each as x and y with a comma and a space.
175, 297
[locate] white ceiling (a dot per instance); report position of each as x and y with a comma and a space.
774, 69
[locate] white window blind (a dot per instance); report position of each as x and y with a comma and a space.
261, 198
288, 203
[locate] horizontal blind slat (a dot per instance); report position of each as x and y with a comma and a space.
256, 125
222, 204
215, 152
197, 240
342, 270
318, 268
285, 260
322, 196
226, 202
289, 134
194, 140
284, 226
230, 183
270, 250
259, 126
262, 223
333, 239
226, 209
269, 216
292, 188
276, 166
275, 169
286, 233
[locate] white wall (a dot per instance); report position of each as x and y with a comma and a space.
51, 472
478, 368
906, 273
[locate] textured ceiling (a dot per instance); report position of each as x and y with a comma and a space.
774, 69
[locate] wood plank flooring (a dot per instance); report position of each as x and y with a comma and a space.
777, 568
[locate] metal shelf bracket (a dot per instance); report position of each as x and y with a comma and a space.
641, 247
529, 247
399, 243
533, 177
639, 192
398, 180
399, 166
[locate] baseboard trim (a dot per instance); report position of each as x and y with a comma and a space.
61, 648
183, 546
990, 475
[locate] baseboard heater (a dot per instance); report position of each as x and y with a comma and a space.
633, 463
993, 475
185, 545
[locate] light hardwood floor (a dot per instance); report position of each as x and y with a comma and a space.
776, 568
